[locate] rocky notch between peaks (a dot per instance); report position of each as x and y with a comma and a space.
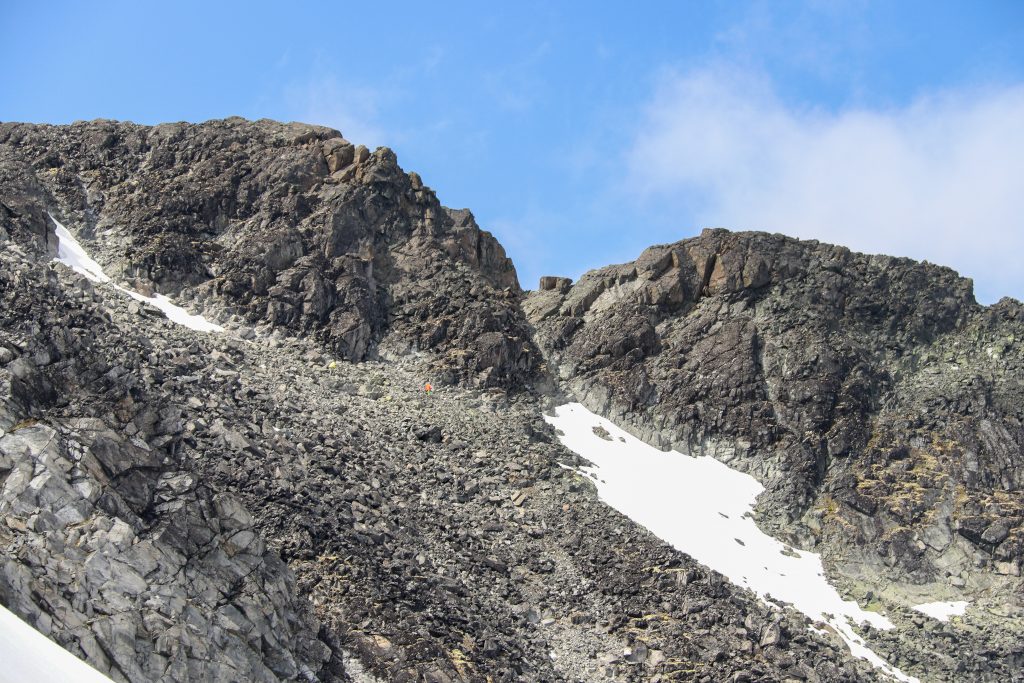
181, 506
163, 490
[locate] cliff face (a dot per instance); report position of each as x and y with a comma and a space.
878, 403
286, 225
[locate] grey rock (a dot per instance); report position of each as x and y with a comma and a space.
327, 239
231, 507
551, 282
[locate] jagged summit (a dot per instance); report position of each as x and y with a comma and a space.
283, 224
868, 393
734, 267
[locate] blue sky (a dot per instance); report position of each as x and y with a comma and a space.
581, 132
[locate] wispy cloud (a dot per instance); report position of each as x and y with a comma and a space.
354, 110
518, 84
940, 179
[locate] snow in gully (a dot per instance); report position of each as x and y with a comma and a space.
704, 508
71, 254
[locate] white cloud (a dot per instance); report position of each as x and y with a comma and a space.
354, 110
941, 179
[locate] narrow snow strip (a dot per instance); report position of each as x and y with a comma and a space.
703, 508
71, 254
28, 655
174, 312
943, 610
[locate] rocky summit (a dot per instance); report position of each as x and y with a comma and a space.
280, 499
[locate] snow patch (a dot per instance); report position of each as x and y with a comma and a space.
71, 254
703, 508
174, 312
28, 655
943, 610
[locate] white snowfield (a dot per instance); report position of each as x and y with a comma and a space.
943, 610
703, 508
27, 656
71, 254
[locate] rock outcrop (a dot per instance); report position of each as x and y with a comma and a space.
881, 406
285, 224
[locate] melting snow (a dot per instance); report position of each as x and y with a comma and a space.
71, 254
943, 610
28, 655
702, 507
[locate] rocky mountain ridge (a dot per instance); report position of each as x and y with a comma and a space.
325, 520
878, 403
816, 369
282, 223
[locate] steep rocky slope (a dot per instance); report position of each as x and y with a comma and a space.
156, 481
879, 404
287, 224
240, 506
111, 542
246, 505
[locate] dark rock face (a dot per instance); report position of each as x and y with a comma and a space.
865, 392
287, 225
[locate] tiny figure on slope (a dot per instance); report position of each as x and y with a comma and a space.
428, 388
